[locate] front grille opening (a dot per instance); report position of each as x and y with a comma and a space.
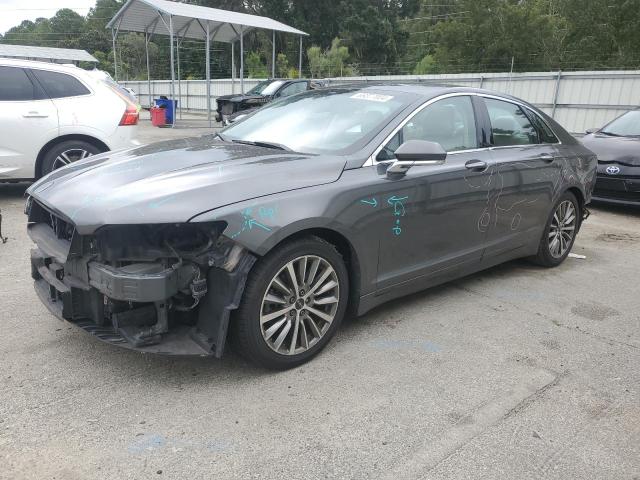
63, 230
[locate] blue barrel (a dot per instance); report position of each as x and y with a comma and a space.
169, 106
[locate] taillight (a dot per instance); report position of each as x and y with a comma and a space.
130, 115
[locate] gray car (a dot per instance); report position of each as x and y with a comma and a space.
617, 146
328, 202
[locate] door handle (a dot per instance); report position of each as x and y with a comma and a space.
547, 157
476, 165
34, 114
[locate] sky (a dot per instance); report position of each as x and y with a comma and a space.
12, 12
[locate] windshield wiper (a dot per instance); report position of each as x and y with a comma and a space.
222, 137
258, 143
609, 134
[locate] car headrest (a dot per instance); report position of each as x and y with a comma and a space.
505, 125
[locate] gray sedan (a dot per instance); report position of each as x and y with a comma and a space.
327, 202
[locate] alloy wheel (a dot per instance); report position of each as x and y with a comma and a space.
562, 229
70, 156
299, 305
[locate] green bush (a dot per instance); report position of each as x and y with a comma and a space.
426, 65
255, 67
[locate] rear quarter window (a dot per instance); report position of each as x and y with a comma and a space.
60, 85
546, 134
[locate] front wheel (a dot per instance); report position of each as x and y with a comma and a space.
294, 301
560, 232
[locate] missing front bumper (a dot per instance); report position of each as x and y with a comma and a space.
148, 325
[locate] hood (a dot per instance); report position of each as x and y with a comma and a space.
622, 150
172, 181
247, 111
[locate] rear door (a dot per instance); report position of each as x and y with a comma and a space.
28, 120
79, 107
525, 178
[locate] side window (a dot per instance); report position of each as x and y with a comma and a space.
509, 124
60, 85
16, 86
544, 131
449, 122
292, 89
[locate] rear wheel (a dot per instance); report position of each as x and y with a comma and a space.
65, 153
294, 301
560, 232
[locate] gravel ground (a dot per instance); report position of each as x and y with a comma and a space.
513, 373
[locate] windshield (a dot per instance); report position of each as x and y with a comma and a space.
268, 87
321, 121
628, 125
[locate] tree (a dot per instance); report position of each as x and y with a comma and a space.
381, 36
331, 62
485, 35
256, 68
66, 27
426, 65
96, 35
132, 56
282, 65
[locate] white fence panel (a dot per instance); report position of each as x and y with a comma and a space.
191, 94
577, 100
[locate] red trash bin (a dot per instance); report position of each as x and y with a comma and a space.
158, 117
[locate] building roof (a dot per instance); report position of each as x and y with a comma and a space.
190, 21
45, 53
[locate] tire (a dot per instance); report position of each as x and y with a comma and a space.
66, 152
267, 320
558, 239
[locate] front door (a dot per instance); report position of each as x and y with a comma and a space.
436, 212
28, 120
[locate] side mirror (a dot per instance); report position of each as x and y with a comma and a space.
592, 130
417, 153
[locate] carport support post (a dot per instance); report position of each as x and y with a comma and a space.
115, 56
146, 50
179, 81
207, 54
173, 73
233, 67
241, 59
300, 61
555, 94
273, 55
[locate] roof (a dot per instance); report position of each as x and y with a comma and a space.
53, 67
27, 51
190, 21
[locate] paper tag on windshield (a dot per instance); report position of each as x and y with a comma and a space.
372, 97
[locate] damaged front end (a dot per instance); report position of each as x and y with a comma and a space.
165, 289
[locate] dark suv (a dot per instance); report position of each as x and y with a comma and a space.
229, 106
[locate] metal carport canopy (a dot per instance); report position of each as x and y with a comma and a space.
141, 16
180, 21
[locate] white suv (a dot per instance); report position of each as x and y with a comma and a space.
51, 115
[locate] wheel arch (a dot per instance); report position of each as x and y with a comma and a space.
579, 195
344, 247
56, 141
